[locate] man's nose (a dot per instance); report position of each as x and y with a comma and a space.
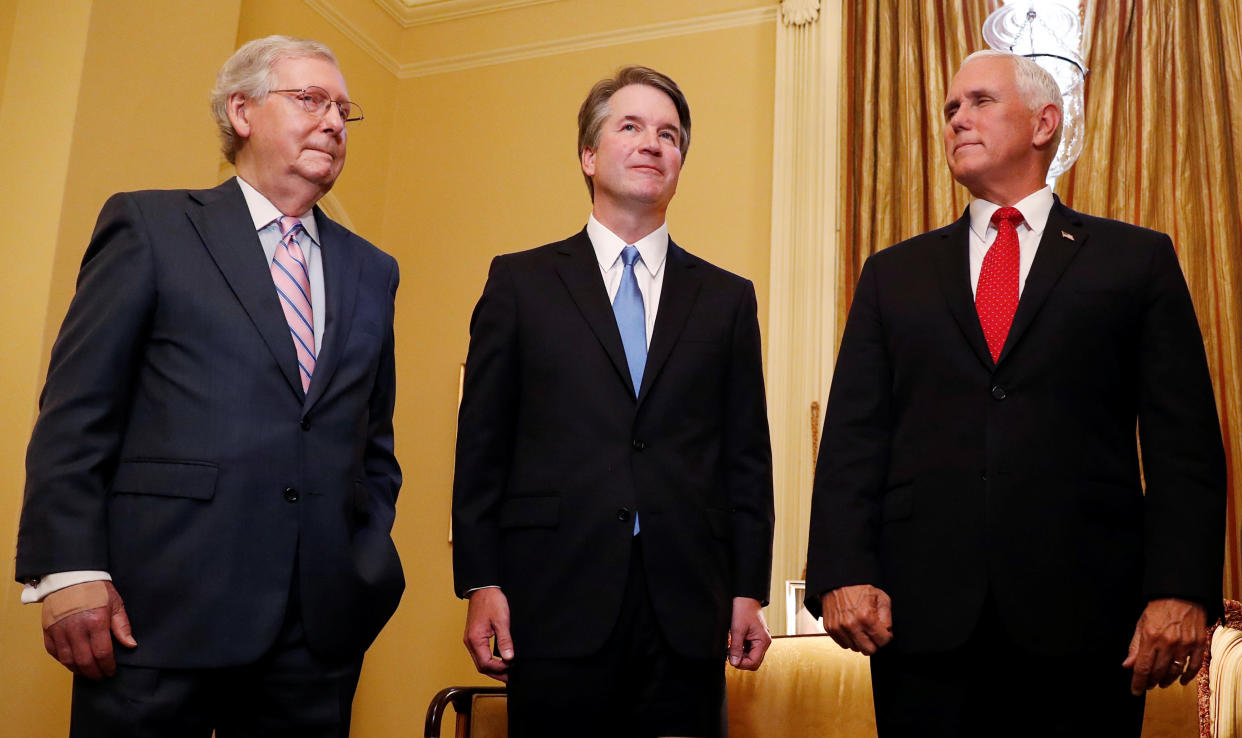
651, 143
332, 119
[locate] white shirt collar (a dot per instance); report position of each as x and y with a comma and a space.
653, 247
263, 212
1035, 208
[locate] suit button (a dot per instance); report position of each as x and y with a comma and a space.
638, 445
291, 494
305, 424
998, 393
623, 514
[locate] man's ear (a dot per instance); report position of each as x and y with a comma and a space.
239, 114
1046, 121
588, 161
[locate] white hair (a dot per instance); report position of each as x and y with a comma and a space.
1035, 84
249, 72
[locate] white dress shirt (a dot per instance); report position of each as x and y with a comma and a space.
1035, 208
265, 215
653, 248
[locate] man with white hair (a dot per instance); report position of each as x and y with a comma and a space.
981, 525
211, 482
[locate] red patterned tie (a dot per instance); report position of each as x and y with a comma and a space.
996, 296
293, 286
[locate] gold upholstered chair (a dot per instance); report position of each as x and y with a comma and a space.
1220, 687
480, 713
807, 686
810, 686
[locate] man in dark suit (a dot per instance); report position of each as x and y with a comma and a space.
612, 507
980, 524
213, 457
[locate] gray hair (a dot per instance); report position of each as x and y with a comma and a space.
1035, 84
595, 108
249, 72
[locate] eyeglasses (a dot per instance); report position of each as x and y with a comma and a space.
316, 101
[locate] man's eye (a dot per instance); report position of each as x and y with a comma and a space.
669, 136
629, 127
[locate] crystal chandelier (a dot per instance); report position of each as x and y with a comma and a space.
1050, 34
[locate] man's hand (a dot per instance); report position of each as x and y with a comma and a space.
1169, 642
78, 625
748, 634
858, 617
487, 618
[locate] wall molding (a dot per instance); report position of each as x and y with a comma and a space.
557, 47
522, 52
355, 34
423, 12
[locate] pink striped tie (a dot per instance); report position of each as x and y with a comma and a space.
293, 285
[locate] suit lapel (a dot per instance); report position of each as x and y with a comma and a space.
579, 271
953, 268
340, 286
677, 295
223, 223
1063, 236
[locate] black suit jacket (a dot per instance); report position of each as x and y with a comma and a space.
943, 476
555, 452
176, 449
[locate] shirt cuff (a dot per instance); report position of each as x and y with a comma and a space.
476, 589
36, 590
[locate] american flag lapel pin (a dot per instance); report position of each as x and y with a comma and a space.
1067, 235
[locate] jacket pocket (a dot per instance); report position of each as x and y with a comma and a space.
530, 512
193, 479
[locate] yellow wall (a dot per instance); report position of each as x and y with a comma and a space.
45, 60
84, 90
447, 171
8, 14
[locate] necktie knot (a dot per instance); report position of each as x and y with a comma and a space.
629, 255
1011, 215
289, 225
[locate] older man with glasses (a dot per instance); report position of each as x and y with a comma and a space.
211, 482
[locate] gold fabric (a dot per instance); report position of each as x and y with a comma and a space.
1171, 712
1163, 150
807, 686
489, 717
1225, 677
899, 58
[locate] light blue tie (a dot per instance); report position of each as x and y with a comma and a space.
631, 318
632, 322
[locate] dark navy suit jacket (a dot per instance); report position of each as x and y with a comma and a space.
176, 449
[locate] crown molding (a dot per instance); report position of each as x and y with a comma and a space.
509, 54
355, 34
410, 13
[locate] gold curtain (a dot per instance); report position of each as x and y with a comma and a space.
899, 59
1163, 150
